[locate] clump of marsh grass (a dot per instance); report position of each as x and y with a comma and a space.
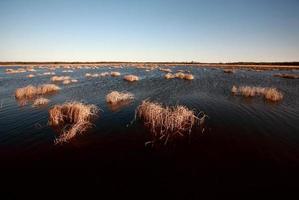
131, 78
289, 76
188, 77
229, 71
179, 75
104, 74
115, 97
60, 78
72, 118
271, 94
31, 91
40, 101
15, 71
169, 76
115, 74
168, 123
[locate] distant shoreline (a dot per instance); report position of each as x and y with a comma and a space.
252, 65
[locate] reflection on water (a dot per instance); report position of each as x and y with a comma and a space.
247, 139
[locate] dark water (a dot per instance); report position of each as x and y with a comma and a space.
249, 145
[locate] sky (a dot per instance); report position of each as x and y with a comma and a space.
149, 30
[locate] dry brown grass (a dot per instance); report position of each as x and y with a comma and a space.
115, 97
15, 71
72, 118
271, 94
131, 78
115, 74
165, 70
40, 101
179, 75
32, 91
188, 77
60, 78
289, 76
103, 74
167, 123
169, 76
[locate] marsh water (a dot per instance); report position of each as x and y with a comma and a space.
248, 144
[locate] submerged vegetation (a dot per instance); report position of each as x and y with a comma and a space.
271, 94
167, 123
72, 118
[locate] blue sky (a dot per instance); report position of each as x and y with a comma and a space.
149, 30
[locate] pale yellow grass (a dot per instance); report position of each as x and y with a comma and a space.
167, 123
271, 94
115, 97
169, 76
131, 78
60, 78
31, 91
72, 118
40, 101
115, 74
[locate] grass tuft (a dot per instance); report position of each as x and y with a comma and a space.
115, 97
167, 123
271, 94
31, 91
72, 118
131, 78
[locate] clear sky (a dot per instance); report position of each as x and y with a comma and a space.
149, 30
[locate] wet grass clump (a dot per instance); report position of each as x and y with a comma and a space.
40, 101
72, 118
131, 78
167, 123
115, 97
32, 91
271, 94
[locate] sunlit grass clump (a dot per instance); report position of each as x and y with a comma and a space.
167, 123
115, 74
15, 71
60, 78
131, 78
72, 118
40, 101
115, 97
169, 76
32, 91
271, 94
179, 75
